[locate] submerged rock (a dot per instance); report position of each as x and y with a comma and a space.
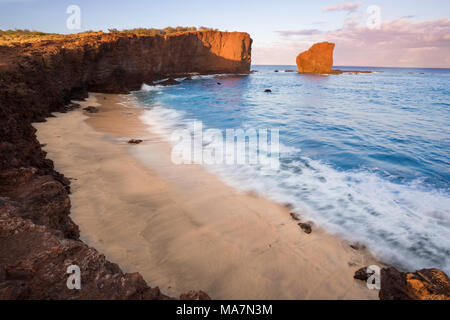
268, 90
169, 82
318, 59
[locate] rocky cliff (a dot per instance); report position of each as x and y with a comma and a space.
38, 240
318, 59
425, 284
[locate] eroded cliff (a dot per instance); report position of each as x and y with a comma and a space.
38, 240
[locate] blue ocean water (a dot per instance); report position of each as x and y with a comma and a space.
366, 157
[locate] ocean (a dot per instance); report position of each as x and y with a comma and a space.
366, 156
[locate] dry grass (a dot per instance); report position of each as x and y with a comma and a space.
17, 37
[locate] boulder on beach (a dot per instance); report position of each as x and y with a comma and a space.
362, 274
135, 141
91, 109
318, 59
194, 295
306, 227
294, 216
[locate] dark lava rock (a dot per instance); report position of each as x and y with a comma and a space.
425, 284
218, 83
135, 141
268, 90
362, 274
188, 78
276, 71
294, 216
169, 82
91, 109
34, 266
306, 227
357, 246
72, 106
194, 295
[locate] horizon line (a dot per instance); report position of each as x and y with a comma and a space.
344, 66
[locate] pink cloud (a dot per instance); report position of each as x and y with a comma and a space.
349, 7
303, 32
399, 42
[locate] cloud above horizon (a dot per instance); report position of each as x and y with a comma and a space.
303, 32
400, 42
349, 7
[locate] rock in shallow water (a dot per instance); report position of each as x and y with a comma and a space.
169, 82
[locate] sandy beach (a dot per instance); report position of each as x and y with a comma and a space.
180, 226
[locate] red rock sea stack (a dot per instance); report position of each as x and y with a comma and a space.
318, 59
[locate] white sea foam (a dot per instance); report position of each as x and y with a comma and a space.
405, 225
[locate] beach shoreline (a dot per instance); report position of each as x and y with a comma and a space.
180, 226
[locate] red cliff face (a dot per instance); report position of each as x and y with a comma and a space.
42, 77
318, 59
100, 60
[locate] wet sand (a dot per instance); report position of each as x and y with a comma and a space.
180, 226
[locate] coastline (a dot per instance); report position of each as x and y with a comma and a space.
180, 226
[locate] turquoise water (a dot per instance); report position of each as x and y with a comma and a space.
366, 156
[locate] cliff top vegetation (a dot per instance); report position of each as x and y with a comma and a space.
21, 36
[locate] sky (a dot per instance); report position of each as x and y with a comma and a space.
406, 33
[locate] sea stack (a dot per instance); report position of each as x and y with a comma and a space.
318, 59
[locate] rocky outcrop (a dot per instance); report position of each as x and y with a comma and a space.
35, 259
425, 284
38, 237
318, 59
